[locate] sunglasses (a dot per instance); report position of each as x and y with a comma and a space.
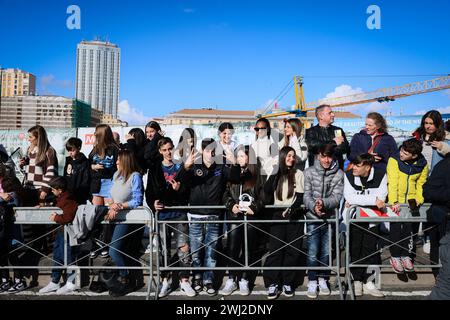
257, 129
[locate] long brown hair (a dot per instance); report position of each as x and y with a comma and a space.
42, 142
296, 125
285, 173
252, 167
103, 139
436, 116
128, 164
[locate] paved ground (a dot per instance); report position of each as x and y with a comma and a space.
415, 286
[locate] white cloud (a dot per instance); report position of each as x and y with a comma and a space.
131, 115
344, 90
361, 109
48, 83
188, 10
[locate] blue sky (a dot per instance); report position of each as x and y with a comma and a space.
233, 54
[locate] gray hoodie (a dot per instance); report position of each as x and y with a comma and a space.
325, 184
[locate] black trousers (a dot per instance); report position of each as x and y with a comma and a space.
436, 234
398, 231
236, 248
289, 256
363, 244
26, 256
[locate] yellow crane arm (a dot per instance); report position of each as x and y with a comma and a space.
386, 94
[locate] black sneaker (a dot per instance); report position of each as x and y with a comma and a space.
272, 292
210, 289
287, 291
104, 254
197, 285
18, 286
5, 286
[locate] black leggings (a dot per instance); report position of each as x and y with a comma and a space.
236, 248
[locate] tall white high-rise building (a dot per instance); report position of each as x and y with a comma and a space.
98, 75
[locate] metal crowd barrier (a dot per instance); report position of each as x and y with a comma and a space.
335, 269
41, 216
355, 216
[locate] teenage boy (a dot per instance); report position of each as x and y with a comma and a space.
207, 182
324, 186
77, 171
407, 173
365, 186
67, 203
164, 189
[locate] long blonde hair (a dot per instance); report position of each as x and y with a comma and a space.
43, 145
103, 139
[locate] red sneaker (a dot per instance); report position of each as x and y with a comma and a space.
396, 264
407, 264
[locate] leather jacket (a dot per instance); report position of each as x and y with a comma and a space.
316, 136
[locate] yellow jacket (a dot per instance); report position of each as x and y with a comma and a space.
405, 180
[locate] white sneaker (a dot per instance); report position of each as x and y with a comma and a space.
323, 288
69, 288
426, 247
369, 288
229, 288
312, 289
51, 287
358, 288
244, 290
185, 287
165, 289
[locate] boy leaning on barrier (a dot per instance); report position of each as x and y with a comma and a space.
407, 173
207, 182
324, 186
67, 203
164, 189
365, 186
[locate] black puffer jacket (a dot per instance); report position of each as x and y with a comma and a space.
317, 136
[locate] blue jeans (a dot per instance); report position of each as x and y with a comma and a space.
117, 257
202, 234
318, 249
58, 257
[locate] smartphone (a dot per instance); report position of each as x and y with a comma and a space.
413, 208
338, 133
27, 160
